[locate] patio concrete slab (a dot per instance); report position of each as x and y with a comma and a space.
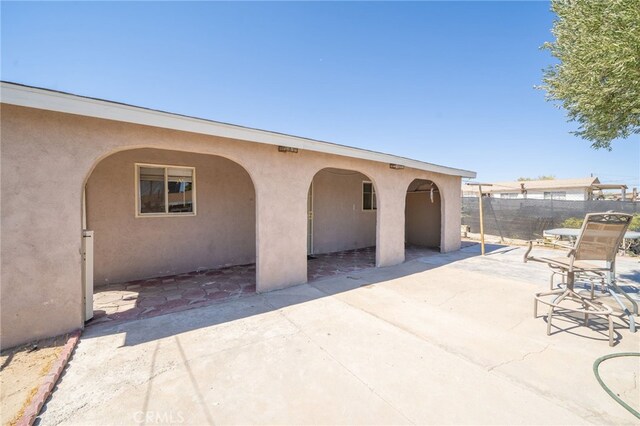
139, 299
444, 339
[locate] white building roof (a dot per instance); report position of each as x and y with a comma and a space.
33, 97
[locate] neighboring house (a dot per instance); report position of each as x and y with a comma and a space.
580, 189
165, 194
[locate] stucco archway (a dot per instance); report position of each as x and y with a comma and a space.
342, 213
423, 215
203, 218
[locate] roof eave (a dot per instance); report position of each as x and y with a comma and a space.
33, 97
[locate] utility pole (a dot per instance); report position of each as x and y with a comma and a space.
479, 185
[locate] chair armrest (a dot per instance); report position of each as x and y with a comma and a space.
563, 245
526, 254
527, 257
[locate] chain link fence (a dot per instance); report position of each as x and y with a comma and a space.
526, 219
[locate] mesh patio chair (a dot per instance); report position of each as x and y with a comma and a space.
591, 277
600, 237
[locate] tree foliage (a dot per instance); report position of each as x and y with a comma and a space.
541, 177
576, 222
598, 77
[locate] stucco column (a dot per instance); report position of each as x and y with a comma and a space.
451, 215
281, 229
390, 240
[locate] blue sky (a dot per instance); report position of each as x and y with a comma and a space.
445, 82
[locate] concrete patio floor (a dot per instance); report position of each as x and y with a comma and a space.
139, 299
441, 339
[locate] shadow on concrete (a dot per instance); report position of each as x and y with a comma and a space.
573, 323
626, 279
150, 329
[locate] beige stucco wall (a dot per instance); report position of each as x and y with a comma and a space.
47, 158
339, 223
127, 247
422, 217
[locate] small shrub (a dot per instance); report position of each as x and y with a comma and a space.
572, 222
576, 222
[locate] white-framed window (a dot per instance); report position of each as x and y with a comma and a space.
509, 195
555, 195
163, 190
369, 201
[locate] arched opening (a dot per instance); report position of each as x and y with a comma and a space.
342, 219
171, 230
423, 224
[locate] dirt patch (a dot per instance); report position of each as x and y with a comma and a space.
23, 370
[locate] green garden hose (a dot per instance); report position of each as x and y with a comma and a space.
609, 391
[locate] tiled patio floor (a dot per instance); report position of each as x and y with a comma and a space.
158, 296
344, 262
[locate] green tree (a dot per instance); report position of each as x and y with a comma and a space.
598, 77
541, 177
576, 222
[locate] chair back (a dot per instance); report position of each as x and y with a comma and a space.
601, 236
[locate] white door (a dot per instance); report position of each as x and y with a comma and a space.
310, 221
87, 273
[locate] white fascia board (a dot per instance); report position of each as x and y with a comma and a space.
571, 189
32, 97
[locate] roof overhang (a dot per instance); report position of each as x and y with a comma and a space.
33, 97
609, 186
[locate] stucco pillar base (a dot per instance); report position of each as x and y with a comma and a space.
281, 255
390, 242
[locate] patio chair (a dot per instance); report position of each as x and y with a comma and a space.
600, 236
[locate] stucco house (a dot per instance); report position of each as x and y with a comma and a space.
165, 193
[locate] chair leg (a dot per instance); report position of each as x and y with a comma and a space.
610, 330
571, 280
535, 307
586, 315
559, 299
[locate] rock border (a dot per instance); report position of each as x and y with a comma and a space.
46, 388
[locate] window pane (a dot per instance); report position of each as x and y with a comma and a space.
366, 201
375, 201
151, 190
180, 190
555, 195
366, 196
